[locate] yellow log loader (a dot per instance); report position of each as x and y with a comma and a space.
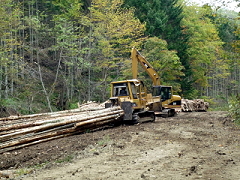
132, 96
170, 102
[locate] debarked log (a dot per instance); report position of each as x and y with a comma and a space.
51, 118
62, 120
52, 129
92, 121
35, 138
77, 130
91, 107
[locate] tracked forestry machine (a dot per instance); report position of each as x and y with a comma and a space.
170, 103
132, 96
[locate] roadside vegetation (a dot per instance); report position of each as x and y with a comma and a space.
234, 108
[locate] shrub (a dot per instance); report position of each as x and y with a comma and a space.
234, 108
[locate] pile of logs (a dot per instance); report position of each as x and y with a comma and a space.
194, 105
20, 131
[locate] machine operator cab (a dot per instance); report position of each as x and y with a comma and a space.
167, 97
120, 89
131, 88
131, 95
132, 91
165, 92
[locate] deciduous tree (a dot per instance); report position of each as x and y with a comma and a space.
205, 47
114, 31
165, 62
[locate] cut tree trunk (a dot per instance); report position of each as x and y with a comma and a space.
44, 127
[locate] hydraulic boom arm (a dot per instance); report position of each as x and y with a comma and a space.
169, 101
138, 58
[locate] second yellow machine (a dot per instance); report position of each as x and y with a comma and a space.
132, 96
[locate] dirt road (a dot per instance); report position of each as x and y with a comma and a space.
199, 145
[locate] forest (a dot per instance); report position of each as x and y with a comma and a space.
57, 53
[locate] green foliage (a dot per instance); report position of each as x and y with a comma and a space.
236, 43
191, 94
62, 51
104, 141
9, 13
162, 17
234, 108
163, 20
226, 28
113, 32
73, 105
165, 62
204, 38
9, 26
21, 172
216, 106
114, 28
68, 8
9, 102
68, 158
23, 106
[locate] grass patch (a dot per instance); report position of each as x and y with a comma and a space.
234, 108
21, 172
68, 158
104, 141
237, 122
39, 166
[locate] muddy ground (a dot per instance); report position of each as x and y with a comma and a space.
198, 145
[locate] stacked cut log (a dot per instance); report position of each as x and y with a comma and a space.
21, 131
194, 105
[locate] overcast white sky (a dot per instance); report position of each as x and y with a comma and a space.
230, 4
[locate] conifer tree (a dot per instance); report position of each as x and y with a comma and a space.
163, 20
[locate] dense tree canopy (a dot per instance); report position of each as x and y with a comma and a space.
57, 53
166, 62
163, 20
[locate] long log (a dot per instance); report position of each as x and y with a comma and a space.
96, 126
59, 132
40, 132
32, 143
23, 123
77, 130
35, 138
54, 119
91, 107
57, 123
91, 121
